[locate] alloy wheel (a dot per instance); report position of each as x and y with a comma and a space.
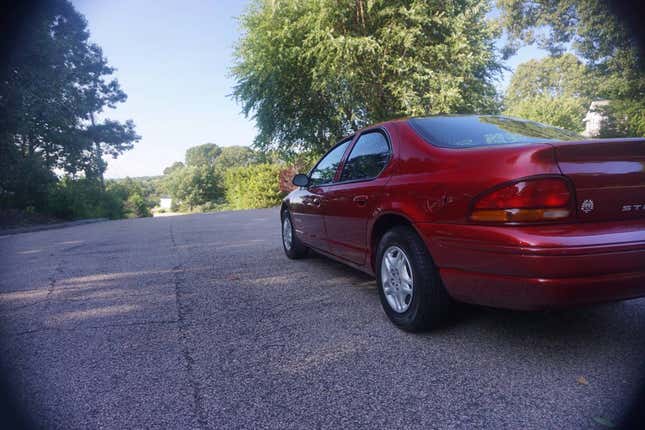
397, 279
287, 234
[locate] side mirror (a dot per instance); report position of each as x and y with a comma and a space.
301, 180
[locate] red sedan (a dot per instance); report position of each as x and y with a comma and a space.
488, 210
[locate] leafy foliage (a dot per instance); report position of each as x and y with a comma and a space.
199, 184
52, 91
230, 177
138, 206
139, 195
192, 186
595, 32
202, 155
236, 156
84, 198
560, 76
53, 88
564, 112
24, 181
72, 198
615, 69
255, 186
624, 118
553, 90
311, 72
174, 166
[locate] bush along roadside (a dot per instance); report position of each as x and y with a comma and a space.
255, 186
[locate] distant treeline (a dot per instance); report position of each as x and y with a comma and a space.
216, 178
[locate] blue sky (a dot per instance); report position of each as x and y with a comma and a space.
173, 59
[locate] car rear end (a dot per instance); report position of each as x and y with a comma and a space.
553, 239
538, 267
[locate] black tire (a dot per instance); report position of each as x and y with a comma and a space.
430, 303
297, 249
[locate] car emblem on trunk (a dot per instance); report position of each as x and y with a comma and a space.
586, 206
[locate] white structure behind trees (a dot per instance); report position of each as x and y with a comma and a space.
165, 203
596, 118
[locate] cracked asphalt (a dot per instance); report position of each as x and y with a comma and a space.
200, 321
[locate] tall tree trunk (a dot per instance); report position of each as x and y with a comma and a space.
360, 15
98, 155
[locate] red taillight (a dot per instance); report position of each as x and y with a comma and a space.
525, 201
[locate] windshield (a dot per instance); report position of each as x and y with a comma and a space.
485, 130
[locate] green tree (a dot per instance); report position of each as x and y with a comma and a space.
52, 89
624, 118
202, 155
139, 195
595, 33
193, 186
564, 112
553, 90
311, 72
561, 76
235, 156
588, 27
138, 206
174, 166
200, 182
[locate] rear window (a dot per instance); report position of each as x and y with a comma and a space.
485, 130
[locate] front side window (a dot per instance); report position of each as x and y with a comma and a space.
325, 170
368, 157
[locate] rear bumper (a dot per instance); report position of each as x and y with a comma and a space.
541, 293
539, 267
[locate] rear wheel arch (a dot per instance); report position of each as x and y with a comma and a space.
382, 225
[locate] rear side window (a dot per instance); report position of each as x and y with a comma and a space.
368, 157
485, 130
325, 170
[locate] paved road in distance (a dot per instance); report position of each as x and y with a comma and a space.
200, 321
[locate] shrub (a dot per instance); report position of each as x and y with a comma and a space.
255, 186
83, 198
24, 181
137, 206
193, 186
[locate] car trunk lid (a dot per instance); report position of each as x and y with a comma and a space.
608, 176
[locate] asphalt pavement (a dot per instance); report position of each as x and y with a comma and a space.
200, 321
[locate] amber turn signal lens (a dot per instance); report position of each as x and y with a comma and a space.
518, 215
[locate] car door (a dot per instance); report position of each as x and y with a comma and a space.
352, 199
307, 204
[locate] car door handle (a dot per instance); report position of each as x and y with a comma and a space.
360, 200
316, 201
